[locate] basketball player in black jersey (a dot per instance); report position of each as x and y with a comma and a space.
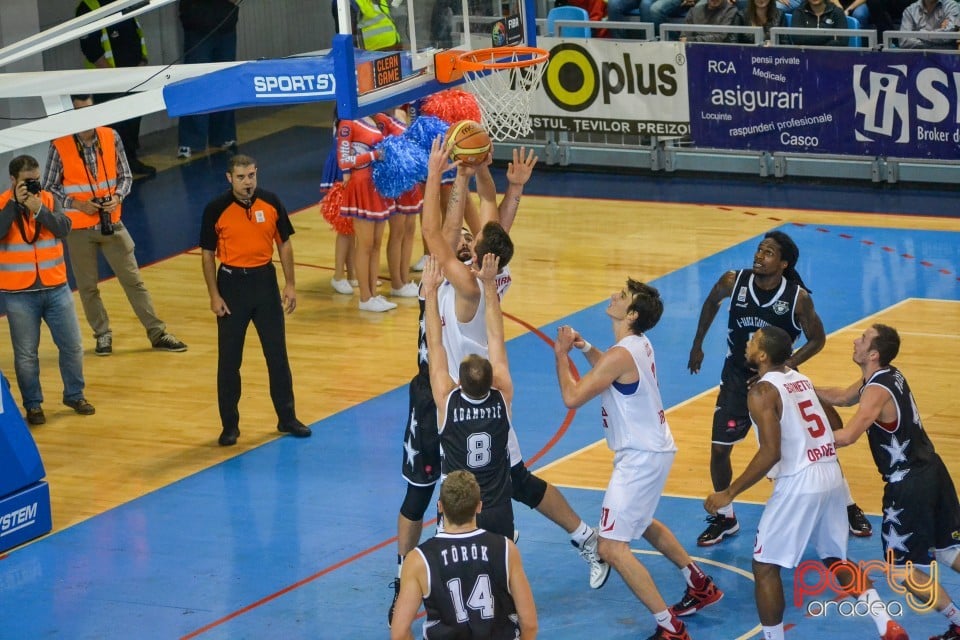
473, 417
921, 513
471, 581
770, 294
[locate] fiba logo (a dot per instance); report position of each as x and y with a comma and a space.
882, 102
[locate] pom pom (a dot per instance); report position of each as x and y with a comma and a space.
401, 165
451, 106
425, 130
330, 210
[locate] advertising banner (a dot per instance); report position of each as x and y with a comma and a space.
602, 86
825, 101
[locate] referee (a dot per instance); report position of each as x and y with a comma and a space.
240, 227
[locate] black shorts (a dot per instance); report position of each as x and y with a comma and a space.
421, 442
497, 519
921, 514
731, 418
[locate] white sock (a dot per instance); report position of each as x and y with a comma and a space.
878, 614
952, 614
580, 535
726, 511
846, 486
773, 633
665, 620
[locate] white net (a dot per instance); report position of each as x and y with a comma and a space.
505, 95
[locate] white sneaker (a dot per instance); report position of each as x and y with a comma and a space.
421, 263
409, 290
377, 305
183, 152
599, 570
341, 286
354, 283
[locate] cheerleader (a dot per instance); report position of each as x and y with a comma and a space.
344, 272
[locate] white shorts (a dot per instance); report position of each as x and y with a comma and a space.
633, 493
810, 506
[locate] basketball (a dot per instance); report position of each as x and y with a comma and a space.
468, 142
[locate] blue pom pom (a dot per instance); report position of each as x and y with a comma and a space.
425, 130
402, 164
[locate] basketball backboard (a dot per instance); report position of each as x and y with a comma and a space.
371, 81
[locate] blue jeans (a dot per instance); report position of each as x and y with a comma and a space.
54, 306
213, 128
621, 11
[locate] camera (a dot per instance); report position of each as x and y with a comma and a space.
106, 225
32, 185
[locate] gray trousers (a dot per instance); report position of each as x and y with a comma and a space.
83, 245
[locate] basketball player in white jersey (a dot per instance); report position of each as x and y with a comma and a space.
637, 432
809, 500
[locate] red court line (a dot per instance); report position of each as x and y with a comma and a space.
564, 426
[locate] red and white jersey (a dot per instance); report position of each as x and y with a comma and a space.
356, 140
461, 339
633, 416
805, 434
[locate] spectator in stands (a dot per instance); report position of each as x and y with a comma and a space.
761, 13
209, 35
857, 9
933, 16
885, 15
713, 12
660, 11
119, 45
819, 14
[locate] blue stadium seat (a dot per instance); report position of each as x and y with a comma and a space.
568, 13
788, 17
853, 23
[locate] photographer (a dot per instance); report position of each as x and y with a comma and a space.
33, 283
89, 175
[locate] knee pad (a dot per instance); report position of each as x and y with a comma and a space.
527, 488
946, 557
416, 501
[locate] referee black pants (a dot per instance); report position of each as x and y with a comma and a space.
252, 295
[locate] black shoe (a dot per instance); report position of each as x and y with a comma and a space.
168, 342
104, 345
81, 406
720, 527
859, 525
953, 633
140, 169
228, 437
395, 585
35, 416
296, 428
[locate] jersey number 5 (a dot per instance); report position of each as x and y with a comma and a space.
817, 428
481, 598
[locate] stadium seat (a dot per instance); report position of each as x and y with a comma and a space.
568, 13
853, 23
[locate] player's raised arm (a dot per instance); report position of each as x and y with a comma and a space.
612, 364
720, 291
440, 381
518, 174
496, 343
812, 327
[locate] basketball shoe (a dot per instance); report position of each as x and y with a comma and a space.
694, 600
859, 525
719, 528
894, 632
599, 570
679, 634
953, 633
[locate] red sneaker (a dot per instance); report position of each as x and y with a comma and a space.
679, 634
694, 600
894, 632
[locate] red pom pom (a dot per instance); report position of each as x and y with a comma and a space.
452, 106
330, 209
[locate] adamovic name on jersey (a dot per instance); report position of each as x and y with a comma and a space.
463, 414
463, 553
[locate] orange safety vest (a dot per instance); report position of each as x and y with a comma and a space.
78, 182
22, 261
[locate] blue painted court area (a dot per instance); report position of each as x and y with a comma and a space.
295, 539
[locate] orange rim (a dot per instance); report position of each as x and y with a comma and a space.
450, 65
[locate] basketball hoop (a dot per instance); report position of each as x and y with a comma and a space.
503, 79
